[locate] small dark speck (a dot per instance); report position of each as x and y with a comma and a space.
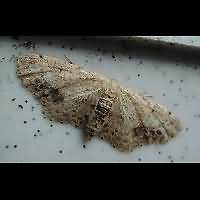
51, 125
38, 130
129, 57
164, 94
33, 118
60, 151
13, 99
25, 122
179, 89
3, 58
170, 157
138, 75
63, 46
171, 81
83, 38
186, 129
71, 48
20, 106
15, 146
26, 101
14, 46
170, 113
159, 152
113, 56
50, 43
7, 146
32, 108
35, 135
15, 37
182, 157
171, 161
181, 81
140, 63
186, 148
129, 78
84, 146
139, 159
67, 133
195, 67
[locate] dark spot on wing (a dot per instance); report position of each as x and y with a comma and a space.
20, 106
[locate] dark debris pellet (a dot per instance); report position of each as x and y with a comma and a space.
169, 157
138, 75
139, 159
25, 122
113, 56
15, 146
14, 46
187, 129
159, 152
71, 48
171, 81
15, 37
35, 135
33, 118
60, 151
129, 57
67, 133
38, 130
84, 146
141, 62
20, 106
51, 125
7, 146
26, 101
13, 99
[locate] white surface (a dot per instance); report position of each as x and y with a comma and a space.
183, 40
156, 68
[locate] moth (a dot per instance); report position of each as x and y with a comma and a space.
97, 104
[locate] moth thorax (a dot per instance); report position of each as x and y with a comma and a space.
99, 116
103, 106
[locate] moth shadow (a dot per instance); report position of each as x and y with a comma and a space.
136, 47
